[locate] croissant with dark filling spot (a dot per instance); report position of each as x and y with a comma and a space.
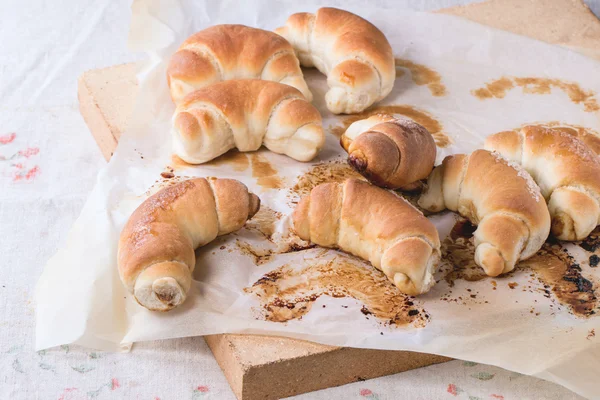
390, 152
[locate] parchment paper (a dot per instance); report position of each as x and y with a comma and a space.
514, 322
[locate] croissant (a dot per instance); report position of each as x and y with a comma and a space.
355, 55
390, 152
156, 248
567, 171
246, 114
500, 198
373, 224
224, 52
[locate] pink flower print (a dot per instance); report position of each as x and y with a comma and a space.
497, 396
65, 394
6, 139
28, 152
368, 394
452, 389
115, 384
21, 175
199, 392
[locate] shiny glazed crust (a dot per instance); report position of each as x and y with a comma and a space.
224, 52
355, 55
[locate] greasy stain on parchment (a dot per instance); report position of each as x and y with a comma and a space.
286, 293
264, 221
419, 116
553, 267
262, 255
233, 158
459, 252
558, 271
266, 176
326, 172
422, 75
178, 163
531, 85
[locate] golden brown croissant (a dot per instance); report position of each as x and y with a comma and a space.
500, 198
390, 152
566, 170
224, 52
156, 247
246, 114
355, 55
373, 224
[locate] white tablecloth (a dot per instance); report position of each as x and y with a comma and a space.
48, 165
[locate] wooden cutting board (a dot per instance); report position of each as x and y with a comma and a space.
263, 367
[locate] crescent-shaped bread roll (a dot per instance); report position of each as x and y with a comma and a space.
390, 152
566, 170
373, 224
500, 198
156, 248
224, 52
355, 55
246, 114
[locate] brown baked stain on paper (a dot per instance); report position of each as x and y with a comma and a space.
264, 221
532, 85
422, 75
266, 176
458, 249
233, 158
178, 163
560, 273
419, 116
325, 172
286, 293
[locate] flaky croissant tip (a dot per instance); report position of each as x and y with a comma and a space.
253, 205
165, 294
406, 285
345, 142
489, 258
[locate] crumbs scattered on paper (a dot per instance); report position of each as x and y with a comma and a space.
325, 172
459, 252
264, 221
562, 276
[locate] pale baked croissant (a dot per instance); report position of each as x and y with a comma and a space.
390, 152
376, 225
566, 170
355, 55
156, 248
224, 52
246, 114
500, 198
